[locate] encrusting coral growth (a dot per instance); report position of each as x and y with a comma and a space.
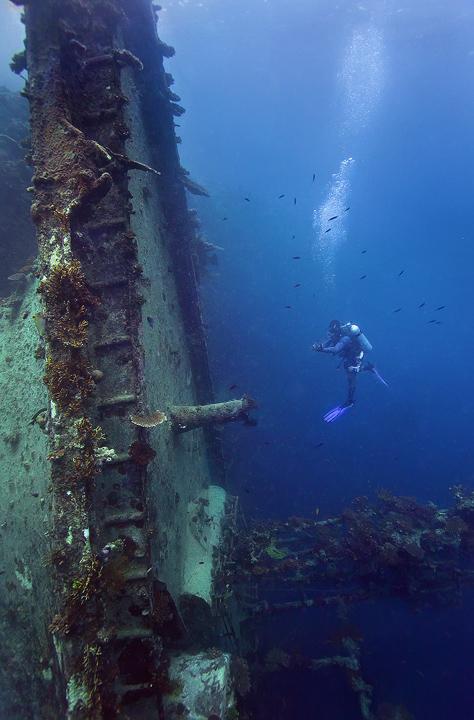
67, 301
75, 461
68, 381
81, 591
141, 453
67, 298
149, 420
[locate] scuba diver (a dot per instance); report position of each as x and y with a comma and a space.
350, 343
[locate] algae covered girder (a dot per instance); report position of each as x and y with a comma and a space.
394, 547
113, 232
88, 261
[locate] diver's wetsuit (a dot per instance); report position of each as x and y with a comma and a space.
352, 354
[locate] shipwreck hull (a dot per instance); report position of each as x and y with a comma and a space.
103, 521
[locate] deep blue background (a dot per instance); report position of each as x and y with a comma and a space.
264, 112
263, 85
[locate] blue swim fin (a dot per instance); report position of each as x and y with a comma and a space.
336, 412
374, 370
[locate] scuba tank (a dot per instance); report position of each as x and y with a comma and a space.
356, 333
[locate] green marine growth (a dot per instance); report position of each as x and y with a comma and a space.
274, 553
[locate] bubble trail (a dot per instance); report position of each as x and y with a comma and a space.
326, 243
361, 81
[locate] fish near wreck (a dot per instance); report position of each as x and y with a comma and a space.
40, 323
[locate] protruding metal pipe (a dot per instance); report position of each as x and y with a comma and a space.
189, 417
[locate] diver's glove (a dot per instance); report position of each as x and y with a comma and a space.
318, 347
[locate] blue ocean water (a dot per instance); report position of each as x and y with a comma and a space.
377, 104
336, 105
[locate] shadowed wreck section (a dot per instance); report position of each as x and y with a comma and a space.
394, 548
130, 512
